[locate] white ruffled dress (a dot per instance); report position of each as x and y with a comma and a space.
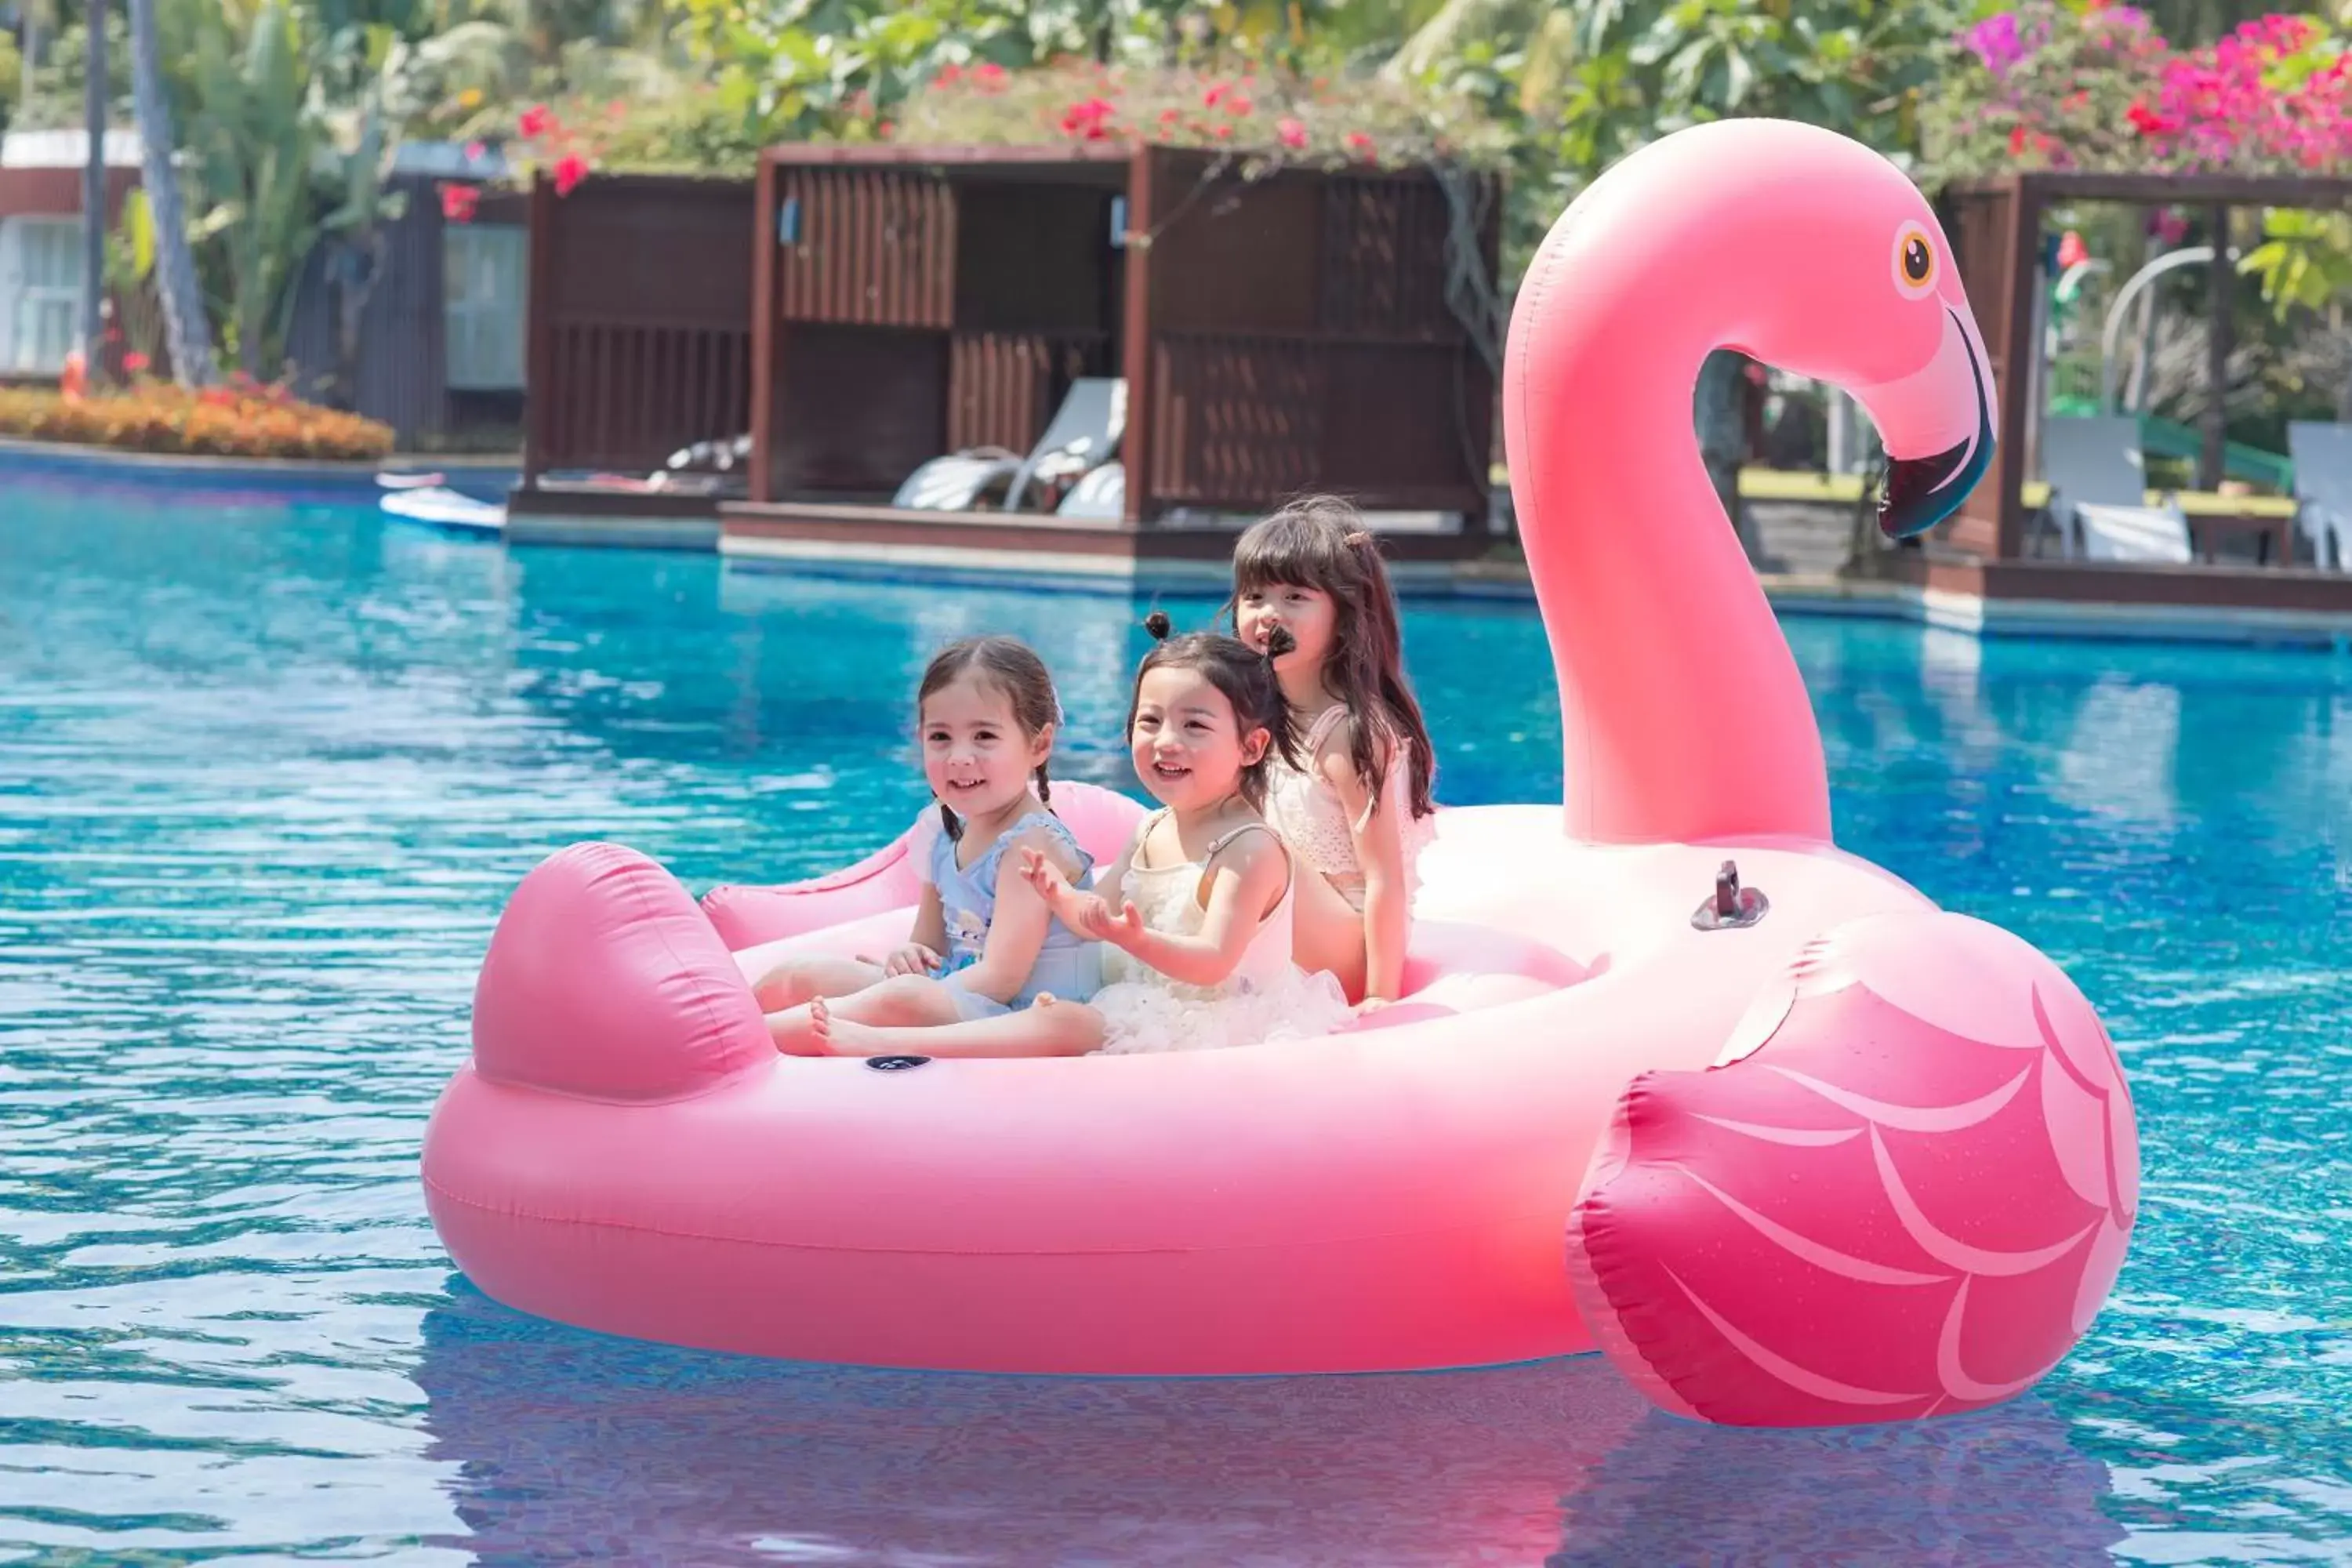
1266, 998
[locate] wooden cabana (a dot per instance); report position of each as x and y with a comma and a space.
1996, 225
640, 324
1287, 333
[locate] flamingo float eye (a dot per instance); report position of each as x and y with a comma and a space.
1915, 262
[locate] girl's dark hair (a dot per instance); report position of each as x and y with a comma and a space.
1242, 673
1320, 542
1011, 666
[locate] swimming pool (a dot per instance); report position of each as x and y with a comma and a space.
265, 783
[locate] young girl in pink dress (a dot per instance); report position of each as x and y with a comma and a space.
1355, 806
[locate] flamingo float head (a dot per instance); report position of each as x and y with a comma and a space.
1685, 716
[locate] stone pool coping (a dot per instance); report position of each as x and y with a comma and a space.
284, 480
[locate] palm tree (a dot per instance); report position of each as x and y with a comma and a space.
187, 332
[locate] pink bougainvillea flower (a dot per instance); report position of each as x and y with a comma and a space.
475, 152
459, 202
1290, 133
536, 121
569, 169
135, 362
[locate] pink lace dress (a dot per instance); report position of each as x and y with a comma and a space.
1306, 811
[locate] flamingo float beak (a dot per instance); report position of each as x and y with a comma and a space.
1922, 491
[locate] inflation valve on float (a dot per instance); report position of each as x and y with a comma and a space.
1733, 906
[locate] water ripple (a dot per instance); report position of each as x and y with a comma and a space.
264, 786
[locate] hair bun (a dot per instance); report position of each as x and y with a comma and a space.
1158, 624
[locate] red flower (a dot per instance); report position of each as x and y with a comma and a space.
2072, 251
1171, 116
1360, 144
1089, 121
459, 202
1224, 132
1214, 96
1291, 132
536, 123
1237, 106
950, 74
988, 75
2016, 139
135, 362
569, 169
474, 151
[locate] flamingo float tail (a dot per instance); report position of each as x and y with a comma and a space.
1904, 1191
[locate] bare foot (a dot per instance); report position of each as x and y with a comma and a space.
799, 1031
842, 1037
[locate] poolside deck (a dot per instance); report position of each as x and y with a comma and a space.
556, 513
2235, 604
1036, 550
1803, 522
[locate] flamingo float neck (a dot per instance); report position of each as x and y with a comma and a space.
1683, 717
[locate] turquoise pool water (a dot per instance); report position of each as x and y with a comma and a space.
264, 786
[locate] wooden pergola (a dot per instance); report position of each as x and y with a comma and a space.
1995, 225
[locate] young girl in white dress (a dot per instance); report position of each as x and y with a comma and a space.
1356, 804
1196, 914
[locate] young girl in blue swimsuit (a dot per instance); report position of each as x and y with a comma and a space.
984, 942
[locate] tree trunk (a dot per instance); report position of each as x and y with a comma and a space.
352, 268
1720, 410
185, 329
93, 196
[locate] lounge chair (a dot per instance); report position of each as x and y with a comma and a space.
1100, 494
2323, 489
1084, 435
2098, 494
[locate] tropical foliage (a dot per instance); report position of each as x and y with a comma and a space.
1274, 113
289, 112
2044, 86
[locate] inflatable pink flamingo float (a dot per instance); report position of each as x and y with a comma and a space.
1820, 1152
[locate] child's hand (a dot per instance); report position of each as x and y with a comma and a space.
1045, 875
1095, 920
912, 959
1085, 913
